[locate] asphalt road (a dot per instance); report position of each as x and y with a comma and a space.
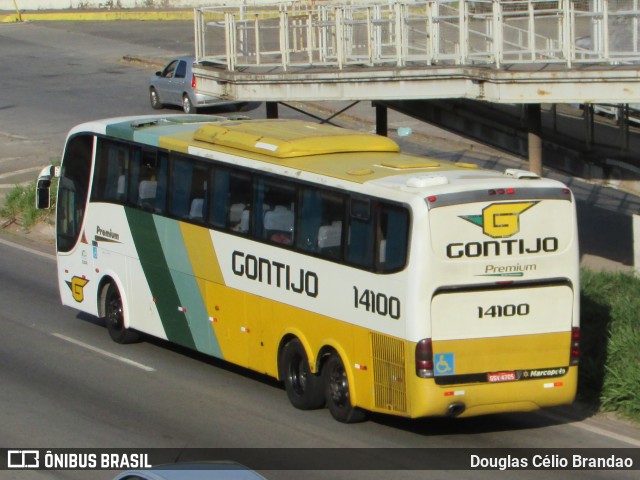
66, 384
63, 383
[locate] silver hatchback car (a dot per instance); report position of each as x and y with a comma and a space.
176, 85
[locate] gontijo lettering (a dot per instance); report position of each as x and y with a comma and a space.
274, 273
498, 248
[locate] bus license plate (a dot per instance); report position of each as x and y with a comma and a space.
497, 377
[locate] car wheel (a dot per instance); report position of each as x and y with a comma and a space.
337, 393
154, 99
114, 317
187, 106
304, 389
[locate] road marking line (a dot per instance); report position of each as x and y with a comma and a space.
19, 172
104, 352
27, 249
13, 136
14, 185
590, 428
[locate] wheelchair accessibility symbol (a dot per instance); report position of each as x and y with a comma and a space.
444, 364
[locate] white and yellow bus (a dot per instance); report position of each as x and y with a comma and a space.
363, 278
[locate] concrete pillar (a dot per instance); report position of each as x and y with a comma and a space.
589, 125
534, 125
623, 124
272, 109
381, 120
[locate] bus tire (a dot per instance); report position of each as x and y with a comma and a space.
337, 393
304, 389
114, 317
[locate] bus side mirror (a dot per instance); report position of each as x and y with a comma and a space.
43, 187
42, 194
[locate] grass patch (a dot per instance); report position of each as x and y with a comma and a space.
20, 206
610, 330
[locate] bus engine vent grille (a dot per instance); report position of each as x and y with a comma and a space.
389, 373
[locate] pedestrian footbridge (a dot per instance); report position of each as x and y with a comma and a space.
518, 51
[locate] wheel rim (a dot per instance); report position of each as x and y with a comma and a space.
114, 312
339, 386
154, 98
186, 104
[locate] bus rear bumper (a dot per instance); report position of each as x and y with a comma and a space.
471, 400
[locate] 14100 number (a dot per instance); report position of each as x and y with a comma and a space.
379, 303
499, 311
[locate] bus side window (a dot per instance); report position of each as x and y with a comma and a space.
199, 193
162, 172
320, 224
180, 187
274, 213
310, 219
189, 187
393, 237
361, 233
144, 180
112, 171
230, 200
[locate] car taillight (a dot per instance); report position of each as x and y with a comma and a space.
193, 81
575, 346
424, 358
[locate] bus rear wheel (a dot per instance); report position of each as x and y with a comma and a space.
304, 389
114, 317
337, 394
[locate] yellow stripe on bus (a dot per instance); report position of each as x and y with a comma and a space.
202, 255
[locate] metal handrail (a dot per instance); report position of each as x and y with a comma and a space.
304, 34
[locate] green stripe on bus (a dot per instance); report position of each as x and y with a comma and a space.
156, 270
186, 284
120, 130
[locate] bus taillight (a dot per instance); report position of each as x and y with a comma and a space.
575, 346
424, 358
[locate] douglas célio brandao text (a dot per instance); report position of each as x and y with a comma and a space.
551, 461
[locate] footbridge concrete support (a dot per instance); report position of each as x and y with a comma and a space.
534, 124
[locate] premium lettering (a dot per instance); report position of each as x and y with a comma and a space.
107, 234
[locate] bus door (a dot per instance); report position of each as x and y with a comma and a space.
75, 271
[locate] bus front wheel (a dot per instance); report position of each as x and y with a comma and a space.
304, 389
114, 317
337, 394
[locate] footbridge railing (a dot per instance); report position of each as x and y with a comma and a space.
405, 33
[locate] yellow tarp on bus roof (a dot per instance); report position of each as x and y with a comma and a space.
291, 138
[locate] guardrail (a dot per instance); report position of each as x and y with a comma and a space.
406, 33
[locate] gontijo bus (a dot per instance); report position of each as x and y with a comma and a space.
363, 278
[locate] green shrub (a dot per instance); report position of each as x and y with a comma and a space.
20, 205
610, 331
